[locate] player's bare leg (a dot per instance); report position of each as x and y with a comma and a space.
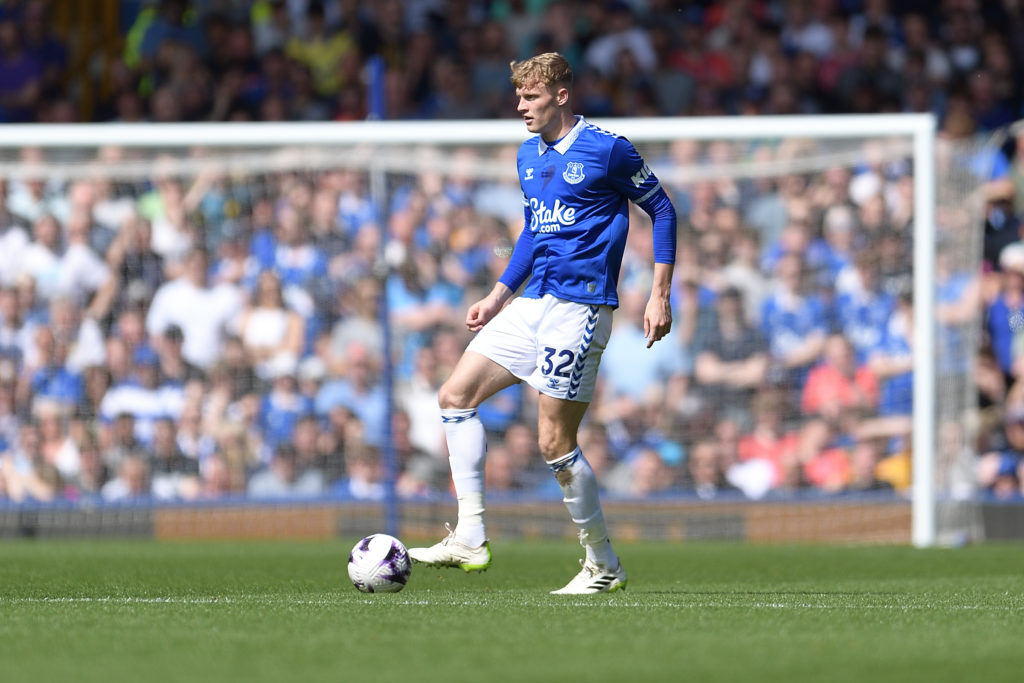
558, 421
474, 379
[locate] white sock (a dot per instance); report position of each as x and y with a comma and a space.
467, 447
580, 494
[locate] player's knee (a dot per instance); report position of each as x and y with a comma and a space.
451, 398
553, 444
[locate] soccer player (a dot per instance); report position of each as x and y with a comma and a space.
577, 180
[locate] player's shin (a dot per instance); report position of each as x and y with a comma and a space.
580, 494
467, 448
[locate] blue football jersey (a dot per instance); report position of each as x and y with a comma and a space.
576, 194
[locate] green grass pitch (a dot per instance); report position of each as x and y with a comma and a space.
144, 611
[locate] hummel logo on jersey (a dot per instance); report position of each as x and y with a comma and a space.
573, 172
640, 176
529, 174
543, 219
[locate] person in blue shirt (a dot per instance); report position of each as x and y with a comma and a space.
794, 323
577, 182
864, 311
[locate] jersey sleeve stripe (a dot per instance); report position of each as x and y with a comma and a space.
649, 194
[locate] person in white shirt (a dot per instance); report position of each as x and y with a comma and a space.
82, 271
40, 258
271, 332
202, 312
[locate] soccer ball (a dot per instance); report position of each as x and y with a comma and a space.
379, 564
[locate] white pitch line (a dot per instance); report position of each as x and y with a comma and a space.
609, 603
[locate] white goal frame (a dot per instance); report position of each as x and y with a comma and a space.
920, 128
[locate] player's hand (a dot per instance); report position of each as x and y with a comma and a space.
657, 319
480, 313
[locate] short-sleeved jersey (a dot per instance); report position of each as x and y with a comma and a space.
576, 193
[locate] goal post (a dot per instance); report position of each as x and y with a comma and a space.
384, 147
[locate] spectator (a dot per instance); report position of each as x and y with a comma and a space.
86, 484
45, 46
359, 391
824, 456
839, 386
359, 321
892, 363
137, 270
869, 84
300, 264
273, 336
96, 380
22, 79
503, 474
321, 50
732, 358
131, 484
119, 441
646, 474
174, 368
743, 273
621, 33
34, 195
794, 323
272, 28
57, 448
42, 256
863, 312
202, 312
627, 373
175, 476
50, 378
170, 26
771, 446
282, 406
16, 336
364, 475
418, 396
284, 478
172, 232
1005, 315
13, 240
1001, 470
144, 396
82, 334
25, 473
233, 266
81, 272
958, 307
221, 480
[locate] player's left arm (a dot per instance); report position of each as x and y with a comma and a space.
631, 176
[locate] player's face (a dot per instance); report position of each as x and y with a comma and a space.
539, 106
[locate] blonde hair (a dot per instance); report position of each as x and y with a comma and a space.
548, 69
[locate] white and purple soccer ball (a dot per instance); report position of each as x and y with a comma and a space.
379, 564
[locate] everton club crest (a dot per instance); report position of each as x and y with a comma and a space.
573, 172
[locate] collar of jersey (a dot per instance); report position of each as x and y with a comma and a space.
563, 145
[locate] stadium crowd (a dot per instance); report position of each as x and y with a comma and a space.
197, 337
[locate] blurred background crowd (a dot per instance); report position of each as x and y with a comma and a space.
297, 60
197, 336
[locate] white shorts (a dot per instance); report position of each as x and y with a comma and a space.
552, 344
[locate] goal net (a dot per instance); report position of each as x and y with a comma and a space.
818, 382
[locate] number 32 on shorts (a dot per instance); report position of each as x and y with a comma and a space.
564, 359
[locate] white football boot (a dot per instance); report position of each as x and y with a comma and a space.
594, 578
453, 553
